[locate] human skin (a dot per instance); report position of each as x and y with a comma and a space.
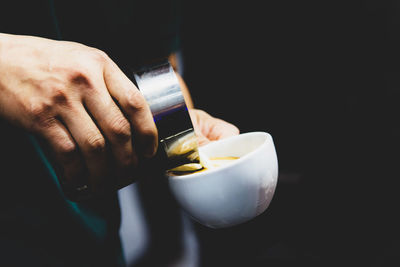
83, 107
207, 127
80, 103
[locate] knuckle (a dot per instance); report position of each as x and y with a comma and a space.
38, 110
135, 101
67, 149
148, 132
95, 143
59, 96
79, 77
99, 55
40, 114
120, 129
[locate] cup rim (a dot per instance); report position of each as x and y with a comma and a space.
230, 165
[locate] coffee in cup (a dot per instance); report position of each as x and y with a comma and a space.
204, 165
235, 191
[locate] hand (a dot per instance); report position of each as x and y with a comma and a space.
82, 105
208, 128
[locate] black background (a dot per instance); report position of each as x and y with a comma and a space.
322, 77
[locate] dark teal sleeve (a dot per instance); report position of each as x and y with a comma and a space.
37, 221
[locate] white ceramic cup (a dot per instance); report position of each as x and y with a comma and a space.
234, 193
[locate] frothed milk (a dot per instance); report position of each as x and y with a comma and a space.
205, 164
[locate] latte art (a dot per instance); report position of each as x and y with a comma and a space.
204, 165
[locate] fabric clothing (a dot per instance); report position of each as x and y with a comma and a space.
39, 226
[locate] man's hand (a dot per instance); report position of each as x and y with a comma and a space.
208, 128
78, 100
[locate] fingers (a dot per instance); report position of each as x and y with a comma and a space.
135, 108
101, 114
201, 139
117, 131
92, 146
221, 129
109, 111
69, 166
209, 127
